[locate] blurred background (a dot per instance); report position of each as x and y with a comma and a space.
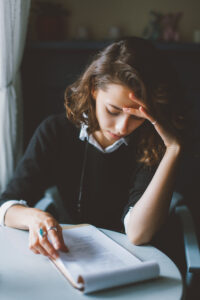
96, 19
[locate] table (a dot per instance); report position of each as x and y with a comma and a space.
24, 275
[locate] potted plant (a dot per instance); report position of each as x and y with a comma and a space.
51, 20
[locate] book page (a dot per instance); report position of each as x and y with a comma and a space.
100, 261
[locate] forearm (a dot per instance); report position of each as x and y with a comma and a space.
149, 213
18, 216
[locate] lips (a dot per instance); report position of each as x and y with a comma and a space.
115, 136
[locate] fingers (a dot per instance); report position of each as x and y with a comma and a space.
147, 115
139, 110
47, 238
142, 111
41, 245
132, 111
48, 247
63, 246
136, 101
56, 237
41, 250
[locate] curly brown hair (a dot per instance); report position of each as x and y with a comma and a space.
138, 65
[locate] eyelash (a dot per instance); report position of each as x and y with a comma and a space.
111, 113
115, 114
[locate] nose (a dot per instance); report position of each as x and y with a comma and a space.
121, 126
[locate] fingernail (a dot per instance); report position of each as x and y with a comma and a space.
126, 109
131, 95
55, 256
57, 246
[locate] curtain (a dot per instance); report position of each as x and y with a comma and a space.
13, 26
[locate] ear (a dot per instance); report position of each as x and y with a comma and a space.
94, 94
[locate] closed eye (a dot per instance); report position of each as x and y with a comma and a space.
117, 113
112, 113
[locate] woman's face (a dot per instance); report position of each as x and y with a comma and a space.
114, 123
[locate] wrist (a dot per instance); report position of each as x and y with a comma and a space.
15, 216
33, 216
21, 217
174, 148
29, 217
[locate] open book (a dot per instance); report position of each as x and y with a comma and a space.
95, 262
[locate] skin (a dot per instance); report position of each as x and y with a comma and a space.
119, 113
113, 121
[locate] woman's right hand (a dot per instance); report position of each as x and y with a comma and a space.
52, 239
33, 219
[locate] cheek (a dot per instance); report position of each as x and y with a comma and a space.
107, 122
104, 119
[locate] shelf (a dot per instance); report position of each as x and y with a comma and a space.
95, 45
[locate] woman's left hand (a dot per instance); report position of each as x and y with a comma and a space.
142, 112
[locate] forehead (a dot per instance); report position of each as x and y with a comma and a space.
118, 95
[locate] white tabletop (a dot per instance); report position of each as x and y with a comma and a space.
24, 275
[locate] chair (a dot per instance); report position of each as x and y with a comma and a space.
192, 252
52, 203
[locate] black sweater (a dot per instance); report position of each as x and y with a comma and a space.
112, 182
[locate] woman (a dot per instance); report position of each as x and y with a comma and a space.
113, 158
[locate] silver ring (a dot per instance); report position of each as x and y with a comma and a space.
42, 233
153, 123
52, 228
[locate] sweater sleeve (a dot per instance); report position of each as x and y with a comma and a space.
34, 172
139, 181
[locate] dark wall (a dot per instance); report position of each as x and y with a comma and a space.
47, 69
